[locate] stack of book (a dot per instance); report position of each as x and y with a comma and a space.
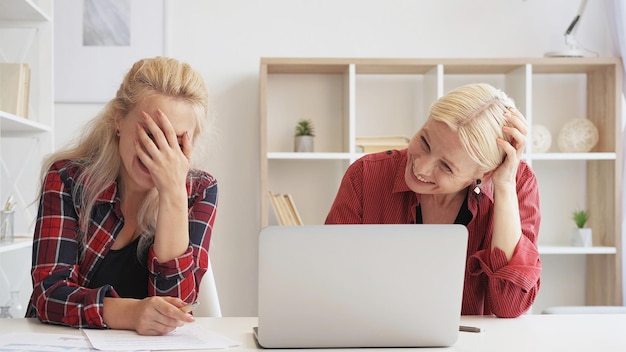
14, 88
285, 209
380, 144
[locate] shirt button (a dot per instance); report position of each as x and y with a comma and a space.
389, 152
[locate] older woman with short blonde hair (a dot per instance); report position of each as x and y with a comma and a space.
464, 166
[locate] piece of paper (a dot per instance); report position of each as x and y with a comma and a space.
188, 337
38, 342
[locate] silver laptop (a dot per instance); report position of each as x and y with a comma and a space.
360, 285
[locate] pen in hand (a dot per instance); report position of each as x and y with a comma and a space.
189, 307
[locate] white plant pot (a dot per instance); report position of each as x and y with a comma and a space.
303, 144
581, 237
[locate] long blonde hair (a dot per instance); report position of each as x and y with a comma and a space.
476, 112
97, 148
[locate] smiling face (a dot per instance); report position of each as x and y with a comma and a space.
437, 163
182, 117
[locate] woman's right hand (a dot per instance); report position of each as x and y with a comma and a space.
517, 131
149, 316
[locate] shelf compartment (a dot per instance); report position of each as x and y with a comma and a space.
318, 97
312, 204
391, 105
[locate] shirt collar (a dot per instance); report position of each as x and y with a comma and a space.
109, 195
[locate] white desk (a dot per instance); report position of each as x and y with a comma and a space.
528, 333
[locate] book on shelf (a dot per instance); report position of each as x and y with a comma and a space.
279, 209
380, 144
291, 205
14, 88
284, 209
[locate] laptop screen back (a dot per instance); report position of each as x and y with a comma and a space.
360, 285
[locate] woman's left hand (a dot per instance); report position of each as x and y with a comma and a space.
159, 150
517, 130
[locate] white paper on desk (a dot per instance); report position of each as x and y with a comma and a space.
188, 337
41, 342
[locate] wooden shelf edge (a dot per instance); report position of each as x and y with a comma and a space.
571, 156
311, 156
545, 249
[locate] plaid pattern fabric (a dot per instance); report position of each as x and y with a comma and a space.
62, 266
370, 194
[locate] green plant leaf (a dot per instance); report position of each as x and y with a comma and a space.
305, 128
580, 217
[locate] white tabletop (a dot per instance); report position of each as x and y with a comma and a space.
528, 333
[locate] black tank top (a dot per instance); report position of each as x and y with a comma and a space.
463, 217
121, 269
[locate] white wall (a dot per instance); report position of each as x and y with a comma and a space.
224, 39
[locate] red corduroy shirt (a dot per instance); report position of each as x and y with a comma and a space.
373, 191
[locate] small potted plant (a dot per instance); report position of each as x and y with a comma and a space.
305, 132
581, 235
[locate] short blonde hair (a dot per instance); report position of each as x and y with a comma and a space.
476, 112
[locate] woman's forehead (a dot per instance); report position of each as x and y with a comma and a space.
176, 110
445, 143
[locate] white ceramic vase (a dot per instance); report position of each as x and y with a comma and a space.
303, 144
581, 237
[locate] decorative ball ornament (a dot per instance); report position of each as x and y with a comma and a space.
542, 139
578, 136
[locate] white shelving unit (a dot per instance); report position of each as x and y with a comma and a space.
26, 36
358, 97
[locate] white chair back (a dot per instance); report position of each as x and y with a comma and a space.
208, 298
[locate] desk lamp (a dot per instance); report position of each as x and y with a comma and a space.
573, 49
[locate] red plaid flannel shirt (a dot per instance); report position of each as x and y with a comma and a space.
62, 266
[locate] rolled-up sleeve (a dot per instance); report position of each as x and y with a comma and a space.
181, 276
513, 284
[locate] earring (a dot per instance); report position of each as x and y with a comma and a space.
117, 133
477, 189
